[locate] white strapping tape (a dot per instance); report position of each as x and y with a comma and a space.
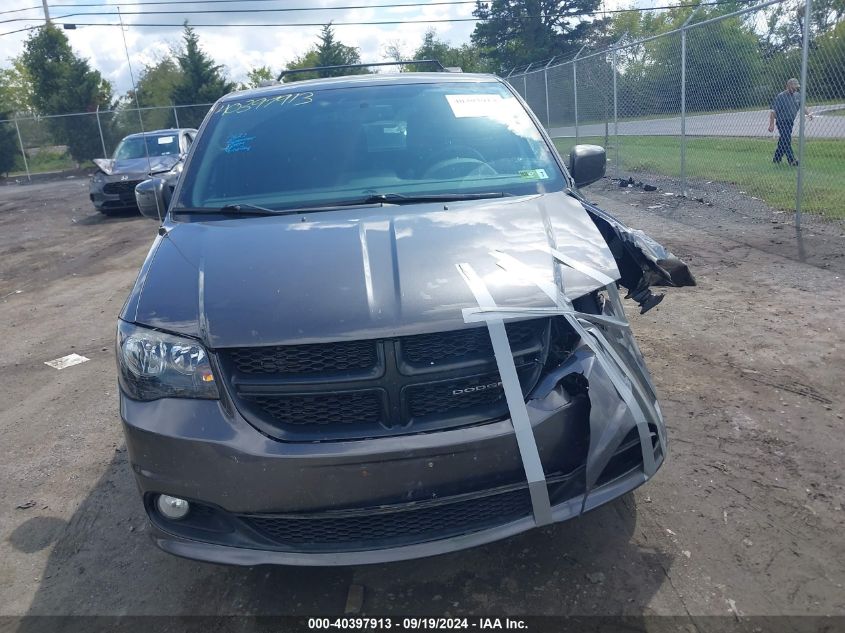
593, 338
525, 440
581, 267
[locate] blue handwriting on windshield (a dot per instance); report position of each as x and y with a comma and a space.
238, 143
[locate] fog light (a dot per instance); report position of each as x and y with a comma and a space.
172, 508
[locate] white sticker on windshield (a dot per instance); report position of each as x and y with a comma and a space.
478, 105
165, 140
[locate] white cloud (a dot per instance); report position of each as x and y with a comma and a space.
238, 48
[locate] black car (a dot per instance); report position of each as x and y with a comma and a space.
379, 322
159, 153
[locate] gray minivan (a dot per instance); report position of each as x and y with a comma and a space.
378, 322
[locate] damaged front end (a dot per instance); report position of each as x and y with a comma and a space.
547, 414
627, 434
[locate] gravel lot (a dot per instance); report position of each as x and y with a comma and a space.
746, 517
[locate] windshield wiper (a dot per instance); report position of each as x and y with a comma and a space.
246, 208
399, 198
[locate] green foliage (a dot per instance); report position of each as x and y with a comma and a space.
64, 83
255, 76
8, 144
827, 65
328, 51
155, 87
518, 32
201, 81
308, 60
467, 56
16, 87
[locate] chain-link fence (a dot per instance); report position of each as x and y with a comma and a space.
692, 107
46, 144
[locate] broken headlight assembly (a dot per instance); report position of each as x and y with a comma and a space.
156, 365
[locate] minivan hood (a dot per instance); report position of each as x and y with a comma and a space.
359, 273
156, 164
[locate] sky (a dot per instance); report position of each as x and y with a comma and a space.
238, 48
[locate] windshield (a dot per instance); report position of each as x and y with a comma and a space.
321, 147
133, 146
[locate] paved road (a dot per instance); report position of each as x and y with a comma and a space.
748, 124
745, 517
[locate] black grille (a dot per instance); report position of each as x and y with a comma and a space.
391, 528
362, 407
306, 359
432, 349
123, 186
456, 395
371, 388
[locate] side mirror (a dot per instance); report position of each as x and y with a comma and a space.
587, 164
153, 198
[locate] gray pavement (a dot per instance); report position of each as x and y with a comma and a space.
753, 123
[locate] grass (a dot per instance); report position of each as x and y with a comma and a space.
745, 163
42, 162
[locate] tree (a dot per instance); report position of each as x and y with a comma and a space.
202, 80
156, 85
467, 56
308, 60
63, 83
256, 76
517, 32
16, 87
8, 144
328, 52
331, 52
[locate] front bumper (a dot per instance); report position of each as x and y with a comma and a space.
382, 499
115, 192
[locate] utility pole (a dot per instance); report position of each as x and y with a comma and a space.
46, 11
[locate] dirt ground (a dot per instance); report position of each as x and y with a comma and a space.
745, 518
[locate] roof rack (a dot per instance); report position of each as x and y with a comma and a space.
433, 62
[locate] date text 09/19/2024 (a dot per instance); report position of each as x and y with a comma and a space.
413, 624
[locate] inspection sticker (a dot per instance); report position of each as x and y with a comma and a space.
474, 105
534, 174
165, 140
66, 361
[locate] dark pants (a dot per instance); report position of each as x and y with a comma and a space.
784, 147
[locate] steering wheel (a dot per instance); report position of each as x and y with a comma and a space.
458, 168
456, 151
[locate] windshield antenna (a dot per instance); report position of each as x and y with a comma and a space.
138, 106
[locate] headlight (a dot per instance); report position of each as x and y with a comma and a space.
157, 365
173, 171
98, 176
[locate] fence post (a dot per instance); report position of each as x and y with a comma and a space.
100, 128
575, 88
575, 93
805, 49
546, 82
684, 103
684, 111
615, 113
175, 115
23, 151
